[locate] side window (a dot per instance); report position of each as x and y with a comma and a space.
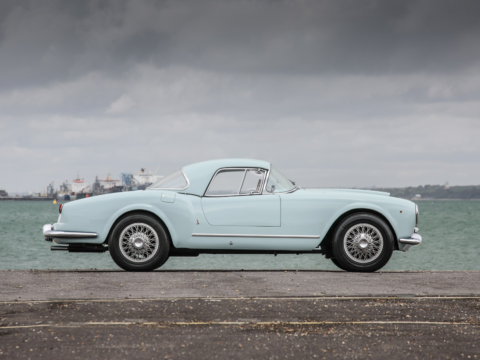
226, 182
253, 183
175, 181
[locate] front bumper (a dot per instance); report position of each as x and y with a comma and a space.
51, 234
414, 240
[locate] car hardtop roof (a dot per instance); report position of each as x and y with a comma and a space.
200, 174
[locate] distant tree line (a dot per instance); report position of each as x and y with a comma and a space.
436, 192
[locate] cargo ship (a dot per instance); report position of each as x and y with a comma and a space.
78, 186
139, 181
107, 186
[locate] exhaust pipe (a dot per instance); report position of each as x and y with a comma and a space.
59, 248
81, 248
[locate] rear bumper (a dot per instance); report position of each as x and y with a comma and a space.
413, 240
50, 234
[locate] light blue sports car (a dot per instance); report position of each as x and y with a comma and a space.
237, 206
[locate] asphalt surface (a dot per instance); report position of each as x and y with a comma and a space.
239, 315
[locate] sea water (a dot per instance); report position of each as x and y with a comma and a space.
450, 232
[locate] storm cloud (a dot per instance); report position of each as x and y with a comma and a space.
335, 93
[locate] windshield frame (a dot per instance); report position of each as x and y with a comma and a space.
184, 188
295, 187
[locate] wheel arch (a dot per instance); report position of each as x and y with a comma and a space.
141, 212
326, 243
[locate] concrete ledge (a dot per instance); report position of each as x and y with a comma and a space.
106, 284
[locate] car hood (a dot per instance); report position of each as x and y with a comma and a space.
357, 191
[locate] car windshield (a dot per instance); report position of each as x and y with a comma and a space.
175, 181
278, 183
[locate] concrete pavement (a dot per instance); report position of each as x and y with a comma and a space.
51, 285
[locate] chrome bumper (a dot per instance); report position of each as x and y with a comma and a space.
415, 239
50, 234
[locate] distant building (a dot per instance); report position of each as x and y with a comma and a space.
417, 196
3, 193
447, 186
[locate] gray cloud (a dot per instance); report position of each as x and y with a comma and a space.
337, 93
52, 40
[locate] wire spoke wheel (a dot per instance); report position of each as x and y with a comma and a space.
139, 242
363, 243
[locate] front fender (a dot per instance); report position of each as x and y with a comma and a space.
400, 216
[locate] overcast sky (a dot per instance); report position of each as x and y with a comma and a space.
334, 93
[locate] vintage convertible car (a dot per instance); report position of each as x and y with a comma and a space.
237, 206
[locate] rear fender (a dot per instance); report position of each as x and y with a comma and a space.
139, 207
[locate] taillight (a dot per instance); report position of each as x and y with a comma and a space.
60, 208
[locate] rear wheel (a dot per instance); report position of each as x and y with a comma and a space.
139, 243
362, 242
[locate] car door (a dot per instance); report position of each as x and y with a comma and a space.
234, 198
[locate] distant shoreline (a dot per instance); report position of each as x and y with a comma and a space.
25, 199
435, 192
442, 199
418, 193
392, 195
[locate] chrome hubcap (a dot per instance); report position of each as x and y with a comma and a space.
363, 243
139, 242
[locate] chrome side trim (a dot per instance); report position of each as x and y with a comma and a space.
259, 236
267, 175
243, 180
186, 178
415, 239
58, 234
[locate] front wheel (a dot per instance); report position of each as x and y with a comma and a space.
139, 243
363, 242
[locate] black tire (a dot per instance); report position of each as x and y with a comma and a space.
337, 264
152, 247
368, 247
